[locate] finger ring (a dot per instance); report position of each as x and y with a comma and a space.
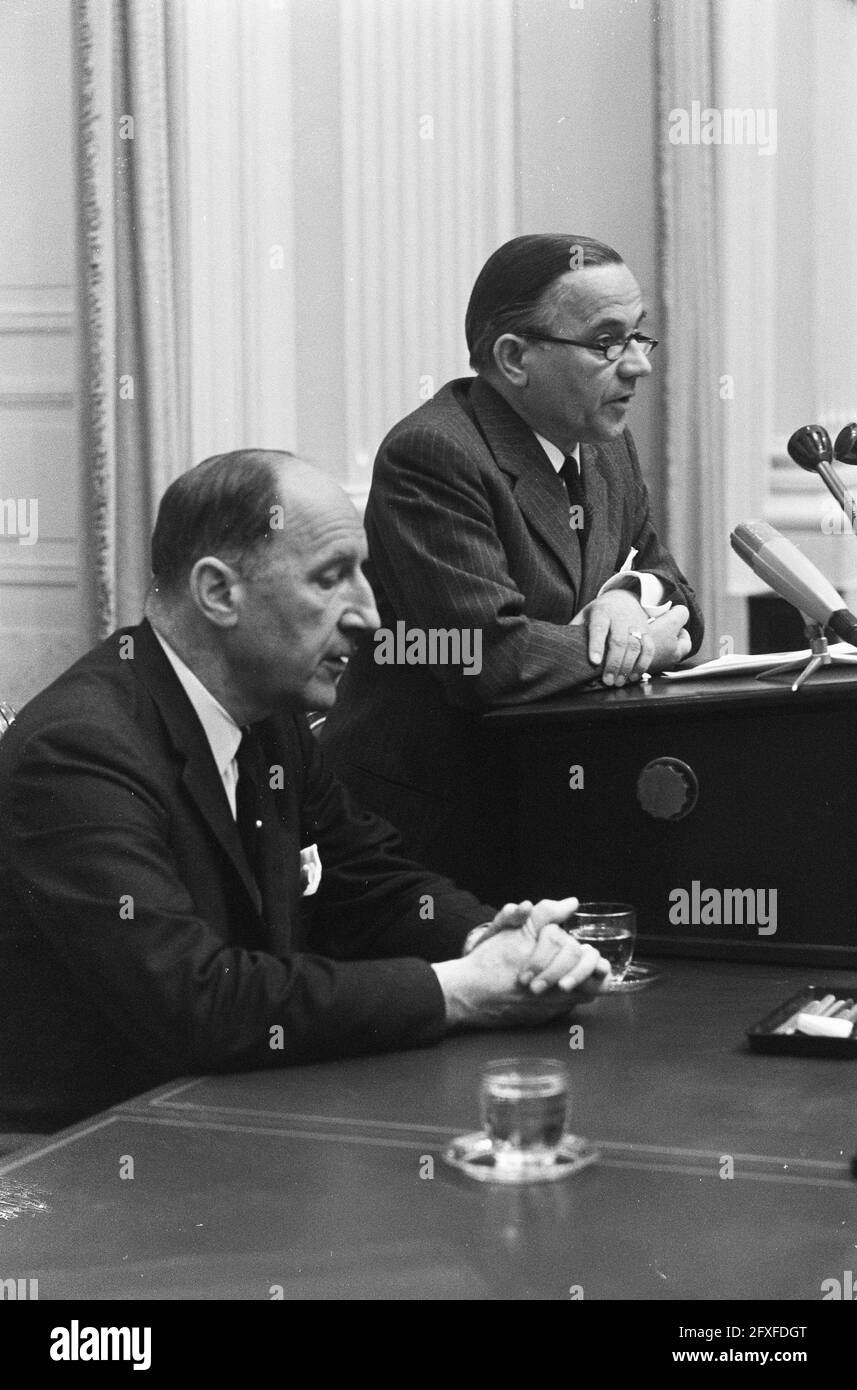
638, 635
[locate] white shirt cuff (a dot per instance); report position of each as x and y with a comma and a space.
650, 590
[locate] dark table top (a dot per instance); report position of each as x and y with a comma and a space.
327, 1182
661, 698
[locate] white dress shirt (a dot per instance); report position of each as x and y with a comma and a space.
651, 589
223, 734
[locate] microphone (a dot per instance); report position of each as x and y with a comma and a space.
811, 449
845, 448
787, 571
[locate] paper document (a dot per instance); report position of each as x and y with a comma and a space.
842, 653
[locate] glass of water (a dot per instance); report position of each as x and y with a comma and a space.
612, 929
524, 1105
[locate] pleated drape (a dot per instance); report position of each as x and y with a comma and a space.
131, 405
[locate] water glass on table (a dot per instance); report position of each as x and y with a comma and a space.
612, 929
524, 1105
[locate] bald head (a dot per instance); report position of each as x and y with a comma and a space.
307, 498
258, 581
232, 506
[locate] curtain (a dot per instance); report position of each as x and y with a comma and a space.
691, 277
131, 400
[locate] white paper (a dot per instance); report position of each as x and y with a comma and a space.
739, 663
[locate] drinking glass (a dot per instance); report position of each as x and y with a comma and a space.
612, 929
524, 1105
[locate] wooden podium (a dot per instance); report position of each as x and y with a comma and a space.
725, 810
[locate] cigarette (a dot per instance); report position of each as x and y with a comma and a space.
790, 1025
824, 1027
828, 1004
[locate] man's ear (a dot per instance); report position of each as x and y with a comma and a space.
216, 589
509, 353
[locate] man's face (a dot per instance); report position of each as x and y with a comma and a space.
572, 394
305, 605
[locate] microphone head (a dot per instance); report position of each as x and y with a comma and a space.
750, 536
845, 448
809, 446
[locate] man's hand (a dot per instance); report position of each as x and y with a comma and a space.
623, 642
670, 637
528, 970
617, 630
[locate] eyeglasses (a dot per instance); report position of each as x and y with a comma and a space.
612, 351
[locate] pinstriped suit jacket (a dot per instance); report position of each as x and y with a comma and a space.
468, 527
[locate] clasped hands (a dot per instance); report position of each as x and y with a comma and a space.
622, 641
550, 957
525, 968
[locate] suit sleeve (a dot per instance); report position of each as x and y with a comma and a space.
434, 544
88, 834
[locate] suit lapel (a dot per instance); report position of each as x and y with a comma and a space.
199, 775
538, 490
203, 783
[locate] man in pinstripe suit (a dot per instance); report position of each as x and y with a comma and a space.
510, 507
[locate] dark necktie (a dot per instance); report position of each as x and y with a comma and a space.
580, 519
248, 802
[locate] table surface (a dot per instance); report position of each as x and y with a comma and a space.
327, 1181
661, 698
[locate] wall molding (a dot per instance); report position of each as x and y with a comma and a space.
36, 308
53, 573
35, 392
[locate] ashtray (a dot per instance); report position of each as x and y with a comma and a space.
766, 1037
473, 1154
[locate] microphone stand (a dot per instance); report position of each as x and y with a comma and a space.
840, 493
820, 655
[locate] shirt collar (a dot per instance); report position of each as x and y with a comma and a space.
223, 734
555, 454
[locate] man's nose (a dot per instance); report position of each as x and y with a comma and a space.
361, 610
634, 362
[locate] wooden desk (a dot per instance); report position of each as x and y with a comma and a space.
774, 776
308, 1180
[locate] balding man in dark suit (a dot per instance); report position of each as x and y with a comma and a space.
509, 510
184, 886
